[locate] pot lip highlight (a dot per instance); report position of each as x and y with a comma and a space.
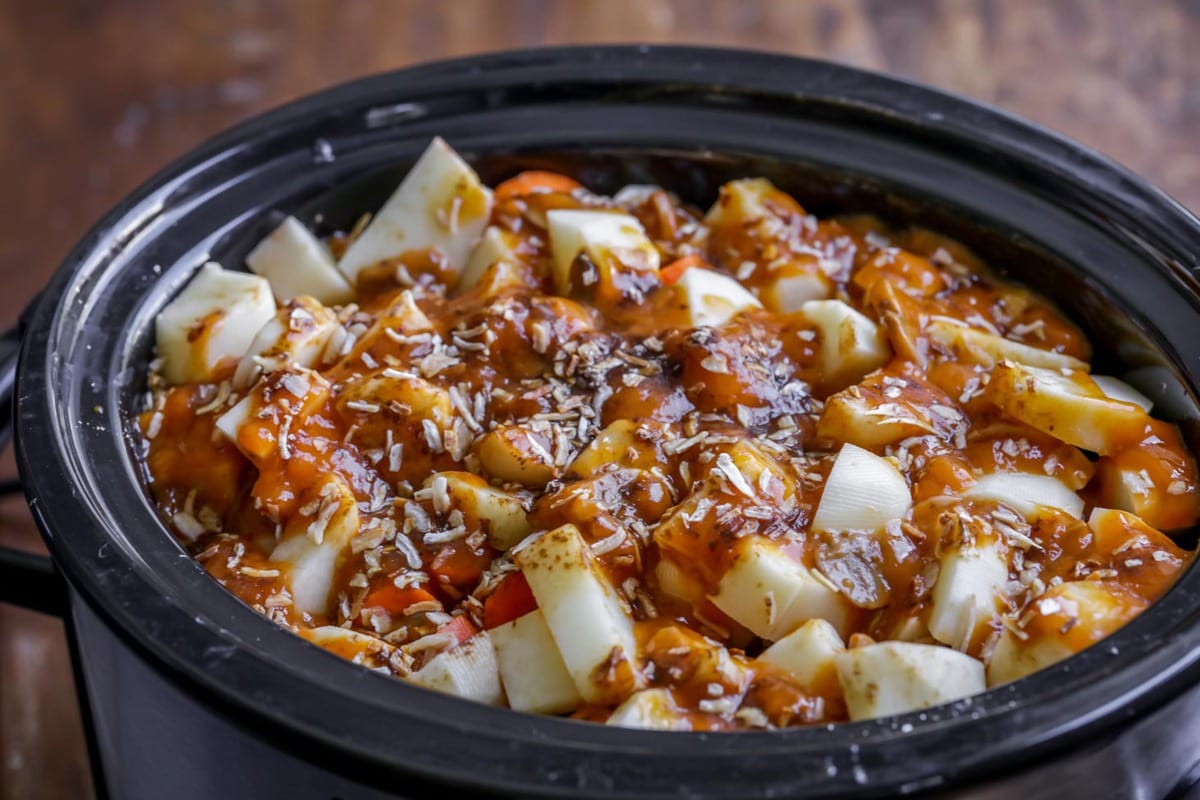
298, 696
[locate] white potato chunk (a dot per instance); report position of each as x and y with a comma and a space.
297, 263
516, 454
440, 203
772, 594
625, 443
808, 653
1026, 494
1070, 407
862, 493
361, 648
611, 241
965, 596
988, 349
312, 547
468, 671
589, 623
294, 392
296, 335
211, 322
500, 514
650, 709
1118, 389
1066, 619
496, 245
792, 286
851, 345
531, 668
889, 678
712, 298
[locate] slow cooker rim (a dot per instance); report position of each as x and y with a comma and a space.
31, 366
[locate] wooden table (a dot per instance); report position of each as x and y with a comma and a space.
96, 96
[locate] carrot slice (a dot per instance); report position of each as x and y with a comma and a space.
459, 566
394, 600
672, 272
461, 628
533, 181
511, 599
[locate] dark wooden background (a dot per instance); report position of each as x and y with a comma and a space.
95, 96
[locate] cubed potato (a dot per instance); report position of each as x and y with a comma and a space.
469, 671
712, 299
211, 323
421, 399
746, 469
361, 648
625, 443
532, 670
1118, 389
297, 263
1066, 619
516, 454
613, 242
497, 245
1026, 494
887, 408
747, 200
589, 623
889, 678
863, 492
651, 709
255, 428
500, 514
851, 345
312, 545
978, 347
772, 593
809, 654
440, 203
1070, 407
296, 335
793, 285
1146, 558
1155, 480
966, 596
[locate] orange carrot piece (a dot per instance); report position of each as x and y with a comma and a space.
511, 599
459, 566
533, 181
672, 272
394, 600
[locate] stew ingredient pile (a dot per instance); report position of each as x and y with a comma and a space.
619, 459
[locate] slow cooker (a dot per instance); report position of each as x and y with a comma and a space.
188, 693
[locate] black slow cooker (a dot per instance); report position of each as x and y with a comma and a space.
190, 694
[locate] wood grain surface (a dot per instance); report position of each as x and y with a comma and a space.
95, 96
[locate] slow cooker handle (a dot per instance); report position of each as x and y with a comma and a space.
26, 579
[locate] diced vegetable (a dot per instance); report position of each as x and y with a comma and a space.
988, 349
440, 203
396, 600
534, 181
851, 345
793, 285
516, 454
966, 595
772, 594
625, 443
672, 272
297, 334
612, 241
591, 629
1026, 494
863, 492
808, 653
500, 514
1118, 389
888, 678
712, 298
469, 671
497, 244
211, 323
297, 263
312, 545
512, 598
531, 669
1070, 407
652, 709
